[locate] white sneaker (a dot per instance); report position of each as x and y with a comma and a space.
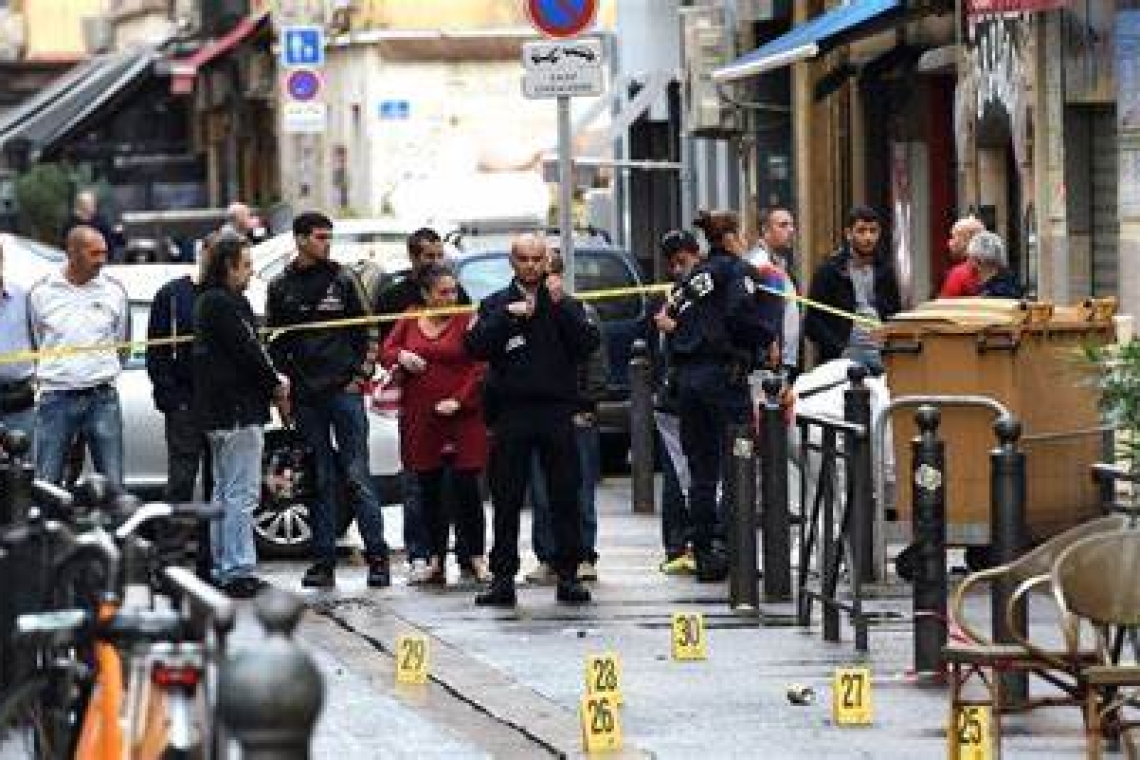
587, 571
418, 572
543, 575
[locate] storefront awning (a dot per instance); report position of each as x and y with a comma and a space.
184, 71
59, 111
822, 33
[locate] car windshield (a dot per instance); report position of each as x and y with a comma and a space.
594, 269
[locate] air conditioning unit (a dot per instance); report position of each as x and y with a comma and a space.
706, 45
98, 34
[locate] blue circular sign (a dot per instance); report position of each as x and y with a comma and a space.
303, 84
561, 18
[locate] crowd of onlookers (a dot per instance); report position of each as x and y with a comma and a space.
508, 393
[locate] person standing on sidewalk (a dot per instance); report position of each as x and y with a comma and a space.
534, 337
593, 377
79, 305
441, 423
425, 249
719, 326
234, 382
328, 368
171, 370
17, 396
857, 279
962, 280
774, 249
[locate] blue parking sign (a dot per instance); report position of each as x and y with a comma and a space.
302, 46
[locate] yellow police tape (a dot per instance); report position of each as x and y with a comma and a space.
15, 357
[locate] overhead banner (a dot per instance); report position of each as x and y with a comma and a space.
986, 7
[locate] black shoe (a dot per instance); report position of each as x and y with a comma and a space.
245, 587
572, 592
712, 567
379, 576
501, 593
321, 575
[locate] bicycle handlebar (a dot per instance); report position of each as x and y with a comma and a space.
220, 608
158, 510
53, 497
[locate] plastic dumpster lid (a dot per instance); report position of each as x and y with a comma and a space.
1005, 312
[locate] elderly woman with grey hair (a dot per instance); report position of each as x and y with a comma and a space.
986, 253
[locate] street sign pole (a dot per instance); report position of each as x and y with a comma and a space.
566, 192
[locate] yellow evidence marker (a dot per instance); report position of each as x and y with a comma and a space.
601, 723
603, 675
412, 659
851, 697
971, 735
689, 636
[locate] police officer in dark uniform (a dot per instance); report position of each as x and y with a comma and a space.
718, 323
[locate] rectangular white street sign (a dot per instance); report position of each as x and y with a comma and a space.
304, 118
562, 68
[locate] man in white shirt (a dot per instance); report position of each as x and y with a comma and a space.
774, 247
75, 307
17, 399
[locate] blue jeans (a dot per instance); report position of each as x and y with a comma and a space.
92, 412
341, 416
236, 457
542, 531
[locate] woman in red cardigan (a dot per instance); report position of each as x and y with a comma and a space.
442, 420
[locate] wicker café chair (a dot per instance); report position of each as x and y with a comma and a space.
973, 655
1096, 581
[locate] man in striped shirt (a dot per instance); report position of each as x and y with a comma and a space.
78, 307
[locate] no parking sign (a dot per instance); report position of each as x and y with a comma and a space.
561, 18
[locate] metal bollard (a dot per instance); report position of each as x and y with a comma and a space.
928, 517
743, 588
860, 478
1008, 537
270, 695
774, 513
641, 428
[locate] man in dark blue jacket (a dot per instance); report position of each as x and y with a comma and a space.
718, 322
534, 337
171, 370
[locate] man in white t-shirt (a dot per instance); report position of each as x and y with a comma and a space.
75, 307
777, 232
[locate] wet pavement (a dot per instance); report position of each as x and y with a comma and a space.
508, 683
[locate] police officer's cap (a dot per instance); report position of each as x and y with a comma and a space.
678, 240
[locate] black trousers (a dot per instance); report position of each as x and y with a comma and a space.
708, 404
186, 454
467, 512
518, 434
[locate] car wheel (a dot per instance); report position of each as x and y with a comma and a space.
281, 523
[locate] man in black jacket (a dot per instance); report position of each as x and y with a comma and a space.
534, 337
859, 280
234, 381
328, 368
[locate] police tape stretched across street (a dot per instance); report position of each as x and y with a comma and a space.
14, 357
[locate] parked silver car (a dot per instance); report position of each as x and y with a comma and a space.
282, 520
